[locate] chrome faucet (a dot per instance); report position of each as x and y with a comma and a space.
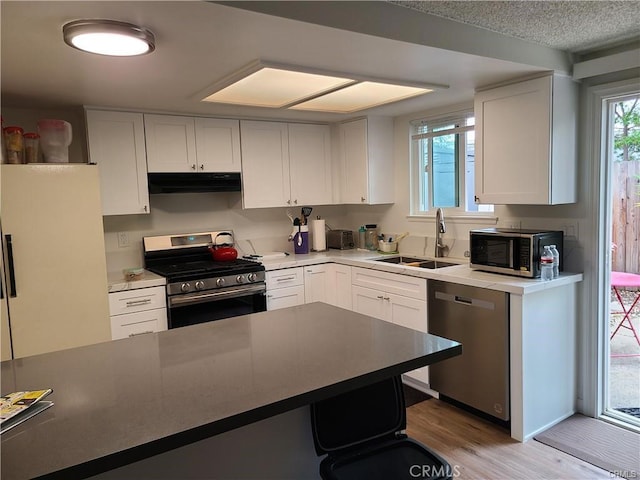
441, 228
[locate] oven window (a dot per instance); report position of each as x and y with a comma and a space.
181, 316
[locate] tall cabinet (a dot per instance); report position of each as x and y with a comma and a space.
525, 150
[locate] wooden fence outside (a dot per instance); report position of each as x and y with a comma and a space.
625, 183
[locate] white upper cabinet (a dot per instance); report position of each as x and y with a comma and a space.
116, 144
171, 143
525, 147
365, 163
285, 164
218, 145
192, 144
310, 164
265, 164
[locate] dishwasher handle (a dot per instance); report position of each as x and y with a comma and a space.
467, 301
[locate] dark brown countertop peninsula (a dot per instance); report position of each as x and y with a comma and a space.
122, 401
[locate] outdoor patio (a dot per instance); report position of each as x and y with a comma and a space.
624, 370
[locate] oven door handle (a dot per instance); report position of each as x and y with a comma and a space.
193, 298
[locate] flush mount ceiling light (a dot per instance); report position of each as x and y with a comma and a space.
263, 84
108, 37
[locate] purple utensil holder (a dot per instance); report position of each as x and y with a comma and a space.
303, 246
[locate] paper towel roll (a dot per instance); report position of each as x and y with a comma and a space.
318, 234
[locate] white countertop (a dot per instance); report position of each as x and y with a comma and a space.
118, 283
460, 273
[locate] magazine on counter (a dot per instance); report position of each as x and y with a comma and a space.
17, 407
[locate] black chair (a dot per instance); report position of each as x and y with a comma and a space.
362, 433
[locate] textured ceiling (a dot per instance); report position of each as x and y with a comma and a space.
575, 26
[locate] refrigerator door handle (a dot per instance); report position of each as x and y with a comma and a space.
12, 272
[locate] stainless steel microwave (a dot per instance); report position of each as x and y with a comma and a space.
512, 252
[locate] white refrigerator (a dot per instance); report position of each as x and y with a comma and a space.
54, 275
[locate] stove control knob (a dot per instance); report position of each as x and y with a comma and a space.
185, 287
251, 277
199, 285
240, 279
220, 282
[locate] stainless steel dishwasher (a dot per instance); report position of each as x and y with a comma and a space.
479, 319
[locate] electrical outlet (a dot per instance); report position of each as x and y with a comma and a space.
123, 239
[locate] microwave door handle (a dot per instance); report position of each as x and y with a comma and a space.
512, 251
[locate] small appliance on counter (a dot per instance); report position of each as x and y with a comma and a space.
512, 252
340, 239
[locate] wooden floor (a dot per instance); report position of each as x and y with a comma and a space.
478, 449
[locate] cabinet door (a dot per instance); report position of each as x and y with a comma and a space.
513, 143
340, 286
316, 281
310, 164
410, 313
285, 297
116, 144
369, 302
217, 145
353, 162
171, 143
265, 164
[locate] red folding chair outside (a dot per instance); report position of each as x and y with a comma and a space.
621, 281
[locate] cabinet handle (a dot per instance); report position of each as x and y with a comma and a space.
362, 199
140, 333
135, 303
284, 279
476, 199
295, 201
193, 167
288, 202
12, 271
202, 166
386, 298
380, 297
145, 208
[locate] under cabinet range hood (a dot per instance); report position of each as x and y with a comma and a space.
194, 182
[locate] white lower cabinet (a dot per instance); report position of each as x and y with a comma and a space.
135, 312
329, 283
339, 289
285, 288
398, 299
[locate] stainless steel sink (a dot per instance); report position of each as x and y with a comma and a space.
415, 262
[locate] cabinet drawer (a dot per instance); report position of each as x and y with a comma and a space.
287, 277
285, 297
137, 300
405, 285
132, 324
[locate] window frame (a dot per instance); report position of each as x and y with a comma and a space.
460, 118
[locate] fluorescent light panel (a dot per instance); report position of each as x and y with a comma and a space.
276, 88
360, 96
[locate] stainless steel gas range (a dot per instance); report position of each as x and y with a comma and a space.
200, 289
